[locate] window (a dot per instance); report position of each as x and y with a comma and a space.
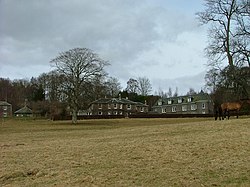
109, 106
5, 108
115, 106
174, 109
184, 108
115, 112
121, 113
169, 102
190, 99
100, 106
120, 106
100, 113
142, 109
193, 107
159, 103
180, 100
203, 106
164, 110
109, 113
128, 106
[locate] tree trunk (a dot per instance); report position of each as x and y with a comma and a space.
74, 116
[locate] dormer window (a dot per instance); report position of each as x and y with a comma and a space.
180, 100
170, 101
190, 99
159, 103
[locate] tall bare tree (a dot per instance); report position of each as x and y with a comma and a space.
212, 79
113, 86
222, 15
78, 66
243, 33
229, 39
229, 31
144, 86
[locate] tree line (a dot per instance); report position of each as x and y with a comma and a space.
51, 94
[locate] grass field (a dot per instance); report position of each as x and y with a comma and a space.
125, 152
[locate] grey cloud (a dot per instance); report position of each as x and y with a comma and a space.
135, 36
183, 83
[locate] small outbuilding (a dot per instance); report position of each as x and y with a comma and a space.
24, 112
5, 109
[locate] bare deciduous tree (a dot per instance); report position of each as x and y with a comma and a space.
78, 66
144, 86
113, 86
229, 31
132, 86
170, 93
191, 92
229, 40
212, 79
222, 15
176, 92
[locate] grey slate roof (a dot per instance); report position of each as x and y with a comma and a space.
4, 103
195, 98
24, 110
117, 101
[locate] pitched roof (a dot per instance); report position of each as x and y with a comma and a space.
117, 101
24, 110
195, 98
4, 103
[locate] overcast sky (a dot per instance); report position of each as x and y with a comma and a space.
158, 39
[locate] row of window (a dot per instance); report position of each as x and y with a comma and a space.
141, 109
4, 108
180, 100
5, 114
110, 113
115, 106
184, 108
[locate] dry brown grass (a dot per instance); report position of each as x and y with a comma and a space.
125, 152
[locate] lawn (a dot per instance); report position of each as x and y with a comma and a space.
125, 152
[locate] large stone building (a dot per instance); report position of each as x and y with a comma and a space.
200, 103
117, 106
